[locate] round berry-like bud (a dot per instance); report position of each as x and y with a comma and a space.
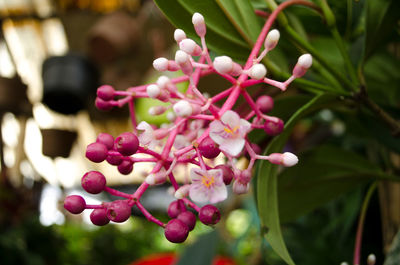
126, 143
102, 104
240, 187
160, 64
272, 39
209, 215
245, 176
208, 148
273, 128
257, 71
175, 208
99, 217
115, 160
223, 64
256, 148
181, 57
305, 61
93, 182
153, 91
176, 231
163, 81
179, 35
119, 211
190, 47
96, 152
199, 24
126, 167
105, 92
188, 218
106, 139
289, 159
183, 108
265, 103
371, 260
74, 204
227, 173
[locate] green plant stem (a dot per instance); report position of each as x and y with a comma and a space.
349, 18
363, 213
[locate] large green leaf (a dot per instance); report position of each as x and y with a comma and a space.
222, 36
267, 183
201, 252
380, 18
322, 175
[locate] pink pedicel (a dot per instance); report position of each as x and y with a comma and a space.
202, 129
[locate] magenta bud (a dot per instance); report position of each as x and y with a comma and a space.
126, 143
106, 139
96, 152
209, 215
105, 92
74, 204
265, 103
102, 104
119, 211
115, 159
93, 182
273, 128
176, 231
175, 208
245, 176
208, 148
99, 217
188, 218
125, 167
227, 173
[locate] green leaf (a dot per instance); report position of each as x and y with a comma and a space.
322, 175
201, 252
380, 18
221, 36
267, 183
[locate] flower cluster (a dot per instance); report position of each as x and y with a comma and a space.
202, 128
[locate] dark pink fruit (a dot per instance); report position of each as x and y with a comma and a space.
208, 148
105, 92
273, 128
103, 105
265, 103
209, 215
175, 208
99, 217
188, 218
119, 211
227, 173
74, 204
106, 139
93, 182
127, 143
96, 152
115, 160
176, 231
125, 167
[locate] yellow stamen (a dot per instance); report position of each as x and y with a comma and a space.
207, 181
228, 130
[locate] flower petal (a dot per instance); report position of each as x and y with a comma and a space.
232, 146
196, 174
198, 193
231, 118
219, 193
217, 132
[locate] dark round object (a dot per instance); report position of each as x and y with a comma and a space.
188, 218
208, 148
96, 152
119, 211
74, 204
209, 215
67, 82
115, 160
175, 208
106, 139
99, 217
227, 173
125, 167
273, 128
176, 231
126, 143
93, 182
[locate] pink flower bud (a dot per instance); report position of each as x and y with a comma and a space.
199, 24
182, 192
156, 178
272, 39
240, 187
265, 103
157, 110
105, 92
223, 64
257, 71
190, 47
102, 104
153, 91
183, 108
160, 64
183, 60
303, 63
179, 35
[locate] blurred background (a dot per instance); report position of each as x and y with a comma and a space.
53, 55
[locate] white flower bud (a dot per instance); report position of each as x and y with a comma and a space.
183, 108
150, 179
289, 159
344, 263
305, 61
160, 64
240, 188
153, 91
272, 39
199, 24
257, 71
179, 35
163, 81
190, 47
157, 110
182, 192
371, 260
171, 116
223, 64
181, 57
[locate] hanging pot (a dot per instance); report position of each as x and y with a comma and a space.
67, 82
57, 142
13, 96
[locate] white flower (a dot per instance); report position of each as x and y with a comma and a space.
230, 132
207, 186
147, 137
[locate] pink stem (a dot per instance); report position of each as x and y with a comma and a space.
133, 115
191, 204
91, 206
148, 215
251, 102
251, 82
117, 192
203, 117
221, 95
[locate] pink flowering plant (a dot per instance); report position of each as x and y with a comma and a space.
205, 130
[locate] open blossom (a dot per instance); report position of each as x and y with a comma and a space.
147, 137
207, 185
230, 132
